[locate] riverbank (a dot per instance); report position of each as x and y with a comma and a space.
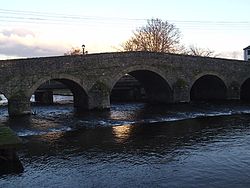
9, 161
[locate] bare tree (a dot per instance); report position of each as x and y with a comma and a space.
196, 51
156, 36
74, 51
77, 51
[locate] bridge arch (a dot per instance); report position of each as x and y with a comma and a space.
245, 90
72, 83
208, 86
157, 88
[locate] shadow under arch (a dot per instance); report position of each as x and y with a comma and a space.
245, 90
208, 88
157, 89
80, 97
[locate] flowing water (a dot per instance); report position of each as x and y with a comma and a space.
133, 145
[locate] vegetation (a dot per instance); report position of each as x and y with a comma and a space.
161, 36
8, 137
196, 51
74, 51
156, 36
180, 83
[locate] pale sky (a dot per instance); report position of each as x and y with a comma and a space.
33, 28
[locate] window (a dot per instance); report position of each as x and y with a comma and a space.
248, 52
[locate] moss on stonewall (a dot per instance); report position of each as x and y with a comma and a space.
180, 83
100, 86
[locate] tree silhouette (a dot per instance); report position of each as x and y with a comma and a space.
196, 51
156, 36
74, 51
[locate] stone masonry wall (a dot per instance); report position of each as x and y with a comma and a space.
96, 74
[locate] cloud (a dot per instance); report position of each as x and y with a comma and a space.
17, 31
232, 55
25, 43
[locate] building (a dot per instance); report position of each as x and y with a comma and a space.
247, 53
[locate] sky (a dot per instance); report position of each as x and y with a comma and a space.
31, 28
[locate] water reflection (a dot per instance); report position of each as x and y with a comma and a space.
122, 133
134, 111
158, 137
51, 137
10, 167
93, 151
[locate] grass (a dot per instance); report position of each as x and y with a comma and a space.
8, 138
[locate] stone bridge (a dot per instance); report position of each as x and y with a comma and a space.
166, 78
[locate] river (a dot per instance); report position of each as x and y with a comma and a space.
133, 145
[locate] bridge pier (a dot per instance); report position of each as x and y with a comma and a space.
19, 107
99, 97
181, 96
233, 91
181, 91
99, 103
44, 97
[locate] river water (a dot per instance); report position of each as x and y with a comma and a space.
133, 145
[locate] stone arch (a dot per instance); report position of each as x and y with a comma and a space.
157, 88
245, 90
115, 78
221, 77
44, 79
73, 84
208, 87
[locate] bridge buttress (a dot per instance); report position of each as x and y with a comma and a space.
181, 95
181, 91
233, 91
19, 106
99, 97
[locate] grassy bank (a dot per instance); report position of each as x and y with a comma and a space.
8, 138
